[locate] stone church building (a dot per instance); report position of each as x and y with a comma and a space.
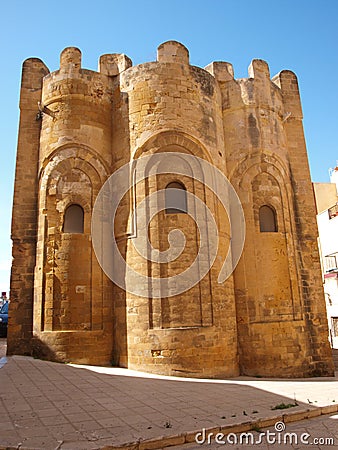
78, 127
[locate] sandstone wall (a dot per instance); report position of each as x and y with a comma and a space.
267, 319
24, 217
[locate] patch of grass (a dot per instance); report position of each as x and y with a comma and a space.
256, 428
284, 406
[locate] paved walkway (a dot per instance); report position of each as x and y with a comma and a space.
47, 405
317, 433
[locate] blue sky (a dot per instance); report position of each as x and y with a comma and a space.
299, 35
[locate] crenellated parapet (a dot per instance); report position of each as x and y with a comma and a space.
257, 90
288, 84
72, 80
114, 64
255, 110
169, 93
172, 52
77, 103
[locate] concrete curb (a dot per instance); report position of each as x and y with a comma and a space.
189, 437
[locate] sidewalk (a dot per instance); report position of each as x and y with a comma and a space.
46, 405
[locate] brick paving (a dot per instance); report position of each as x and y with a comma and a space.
46, 405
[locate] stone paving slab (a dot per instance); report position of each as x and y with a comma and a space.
316, 433
46, 405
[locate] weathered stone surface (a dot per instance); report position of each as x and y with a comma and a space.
267, 319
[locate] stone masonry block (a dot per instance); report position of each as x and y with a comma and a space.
172, 52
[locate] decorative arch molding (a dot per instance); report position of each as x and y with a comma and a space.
276, 198
254, 165
67, 158
195, 306
167, 138
243, 178
71, 175
62, 169
77, 151
77, 199
266, 162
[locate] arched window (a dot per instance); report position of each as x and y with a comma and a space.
73, 221
176, 198
267, 219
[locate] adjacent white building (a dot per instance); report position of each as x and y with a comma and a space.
327, 219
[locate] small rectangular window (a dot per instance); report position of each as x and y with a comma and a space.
176, 198
74, 218
267, 219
